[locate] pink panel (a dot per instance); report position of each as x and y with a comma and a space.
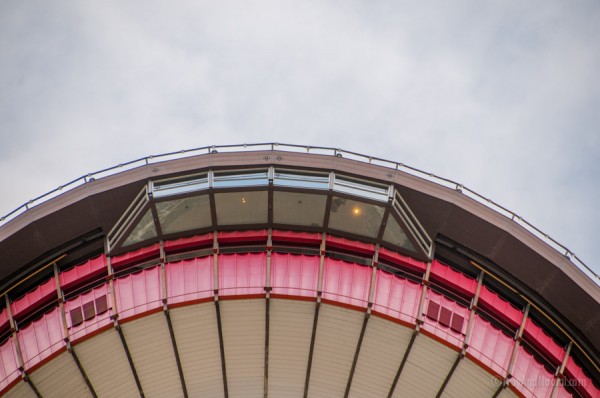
346, 282
396, 297
311, 238
242, 236
98, 321
490, 346
42, 294
192, 242
392, 257
295, 275
136, 256
4, 320
563, 393
531, 377
9, 366
499, 307
41, 338
577, 378
84, 272
241, 274
138, 293
442, 331
190, 279
350, 245
454, 279
543, 342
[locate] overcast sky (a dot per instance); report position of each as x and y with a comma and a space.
500, 95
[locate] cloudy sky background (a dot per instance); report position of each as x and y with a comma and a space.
502, 96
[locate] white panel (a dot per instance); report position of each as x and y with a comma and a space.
150, 346
243, 324
60, 378
383, 347
289, 343
197, 338
507, 393
338, 330
469, 380
426, 369
21, 390
104, 360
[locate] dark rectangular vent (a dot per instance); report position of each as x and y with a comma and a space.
76, 316
101, 305
88, 311
457, 323
433, 310
445, 316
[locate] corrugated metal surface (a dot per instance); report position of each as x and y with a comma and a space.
197, 337
244, 339
289, 342
507, 393
60, 378
469, 380
152, 352
337, 335
426, 368
106, 365
21, 390
382, 349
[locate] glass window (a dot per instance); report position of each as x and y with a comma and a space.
143, 231
394, 234
356, 217
359, 188
184, 214
297, 180
179, 185
241, 208
240, 179
296, 208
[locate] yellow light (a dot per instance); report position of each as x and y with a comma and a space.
243, 200
356, 211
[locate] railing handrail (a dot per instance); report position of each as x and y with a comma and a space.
274, 146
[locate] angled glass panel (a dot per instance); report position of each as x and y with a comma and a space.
184, 214
296, 208
355, 217
360, 188
241, 208
143, 231
178, 186
240, 179
394, 234
286, 178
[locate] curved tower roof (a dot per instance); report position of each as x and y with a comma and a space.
278, 270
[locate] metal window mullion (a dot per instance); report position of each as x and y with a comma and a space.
517, 338
558, 376
473, 308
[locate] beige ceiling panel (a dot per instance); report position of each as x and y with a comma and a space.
21, 390
60, 378
469, 380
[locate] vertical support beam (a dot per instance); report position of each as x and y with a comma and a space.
117, 326
218, 313
418, 322
163, 279
365, 321
513, 356
268, 308
66, 334
559, 372
14, 330
317, 308
463, 350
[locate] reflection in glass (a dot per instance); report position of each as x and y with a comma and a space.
355, 217
299, 208
184, 214
178, 186
297, 180
394, 234
240, 179
241, 207
143, 231
360, 188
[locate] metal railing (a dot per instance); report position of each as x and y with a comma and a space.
273, 146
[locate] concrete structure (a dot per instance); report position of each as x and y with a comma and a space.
287, 272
